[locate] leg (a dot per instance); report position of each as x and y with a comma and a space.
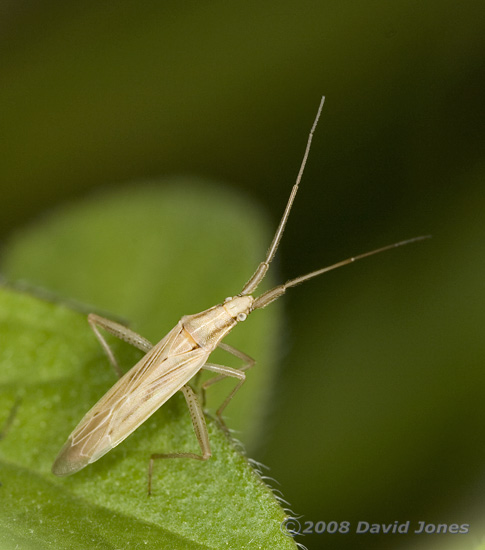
10, 418
200, 429
121, 332
248, 362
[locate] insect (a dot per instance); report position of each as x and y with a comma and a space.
167, 367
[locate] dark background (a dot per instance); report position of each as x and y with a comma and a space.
378, 412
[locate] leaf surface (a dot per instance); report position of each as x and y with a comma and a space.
124, 253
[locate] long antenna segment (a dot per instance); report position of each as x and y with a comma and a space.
262, 268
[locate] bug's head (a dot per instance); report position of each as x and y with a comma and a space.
239, 307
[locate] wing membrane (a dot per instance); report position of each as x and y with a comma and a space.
136, 396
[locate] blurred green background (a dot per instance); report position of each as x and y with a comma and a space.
377, 413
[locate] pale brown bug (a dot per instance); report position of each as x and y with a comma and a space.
168, 366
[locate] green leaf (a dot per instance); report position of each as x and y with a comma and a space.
52, 371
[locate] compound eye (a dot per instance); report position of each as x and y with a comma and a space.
241, 316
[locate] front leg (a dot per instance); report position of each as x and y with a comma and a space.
223, 373
248, 362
